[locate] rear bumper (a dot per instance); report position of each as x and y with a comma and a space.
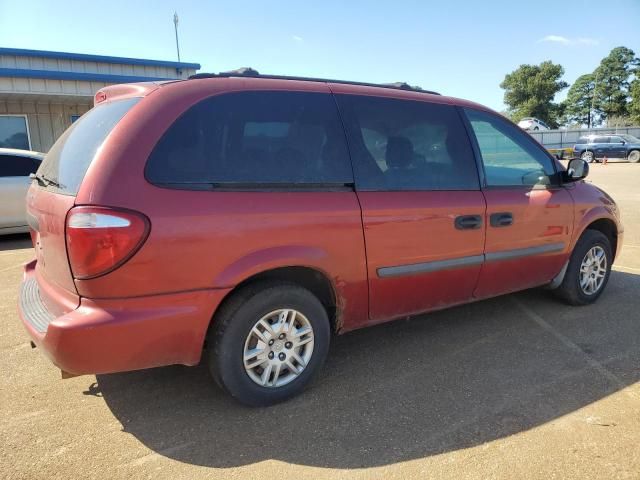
115, 335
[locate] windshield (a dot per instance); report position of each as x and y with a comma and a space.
67, 162
630, 139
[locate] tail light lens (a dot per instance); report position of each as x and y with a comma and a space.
100, 239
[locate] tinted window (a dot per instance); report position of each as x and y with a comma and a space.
15, 166
583, 140
407, 145
509, 156
615, 140
254, 138
13, 132
601, 140
70, 157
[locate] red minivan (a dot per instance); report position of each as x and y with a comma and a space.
249, 217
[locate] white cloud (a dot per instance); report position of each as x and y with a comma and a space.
555, 39
569, 41
587, 41
297, 38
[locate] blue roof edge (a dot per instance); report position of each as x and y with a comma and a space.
88, 77
84, 57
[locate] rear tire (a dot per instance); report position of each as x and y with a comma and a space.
588, 156
634, 156
586, 276
254, 320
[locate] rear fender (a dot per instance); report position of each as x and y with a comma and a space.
269, 259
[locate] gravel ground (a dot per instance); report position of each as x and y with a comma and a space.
520, 386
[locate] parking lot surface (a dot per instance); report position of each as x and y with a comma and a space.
520, 386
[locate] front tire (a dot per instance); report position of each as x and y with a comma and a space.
588, 270
268, 342
634, 156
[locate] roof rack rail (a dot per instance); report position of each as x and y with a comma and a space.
250, 72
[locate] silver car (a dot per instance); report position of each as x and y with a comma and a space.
15, 168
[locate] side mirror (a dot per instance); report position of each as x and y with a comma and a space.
576, 170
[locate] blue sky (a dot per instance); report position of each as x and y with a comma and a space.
458, 48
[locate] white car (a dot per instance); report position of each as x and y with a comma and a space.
529, 123
15, 168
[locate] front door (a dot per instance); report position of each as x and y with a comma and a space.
617, 148
529, 218
422, 208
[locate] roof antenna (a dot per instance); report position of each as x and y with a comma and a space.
175, 25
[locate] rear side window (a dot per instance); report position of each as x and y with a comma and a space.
254, 139
582, 140
16, 166
601, 140
70, 157
407, 145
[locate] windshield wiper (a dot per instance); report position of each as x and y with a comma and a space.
45, 181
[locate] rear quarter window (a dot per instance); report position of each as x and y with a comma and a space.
69, 158
17, 166
253, 139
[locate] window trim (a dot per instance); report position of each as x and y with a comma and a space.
257, 186
26, 122
554, 178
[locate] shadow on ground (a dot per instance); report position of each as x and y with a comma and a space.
400, 391
15, 241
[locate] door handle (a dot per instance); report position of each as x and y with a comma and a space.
502, 219
468, 222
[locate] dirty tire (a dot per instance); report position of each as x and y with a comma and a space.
236, 319
570, 290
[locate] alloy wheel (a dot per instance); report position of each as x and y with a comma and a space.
278, 348
593, 270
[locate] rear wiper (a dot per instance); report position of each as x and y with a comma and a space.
45, 181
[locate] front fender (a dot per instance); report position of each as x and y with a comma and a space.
594, 214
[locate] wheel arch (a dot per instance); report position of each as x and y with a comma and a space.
606, 226
312, 278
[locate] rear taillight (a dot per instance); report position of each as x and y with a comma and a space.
100, 239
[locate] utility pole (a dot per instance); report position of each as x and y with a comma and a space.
175, 26
593, 99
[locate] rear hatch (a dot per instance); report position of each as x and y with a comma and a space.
53, 194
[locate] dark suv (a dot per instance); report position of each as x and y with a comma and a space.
592, 148
244, 220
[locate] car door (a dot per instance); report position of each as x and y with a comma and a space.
422, 209
616, 148
14, 182
601, 147
529, 217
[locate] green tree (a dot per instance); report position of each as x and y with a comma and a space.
579, 101
530, 90
634, 106
612, 82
